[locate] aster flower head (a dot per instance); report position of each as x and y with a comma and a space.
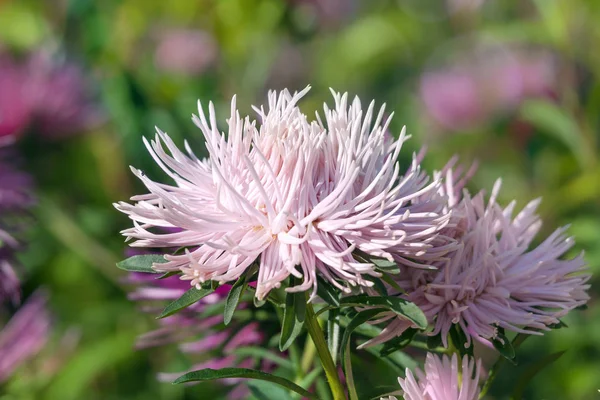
442, 380
297, 197
496, 278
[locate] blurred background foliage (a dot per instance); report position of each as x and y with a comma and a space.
513, 84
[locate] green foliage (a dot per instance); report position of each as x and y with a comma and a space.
142, 263
212, 374
190, 297
545, 146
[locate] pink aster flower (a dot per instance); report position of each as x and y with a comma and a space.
496, 278
294, 195
24, 335
442, 380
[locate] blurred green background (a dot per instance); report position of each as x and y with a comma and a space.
514, 84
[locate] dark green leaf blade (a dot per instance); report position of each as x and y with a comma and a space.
398, 305
141, 263
360, 318
398, 342
212, 374
328, 293
459, 340
293, 319
233, 299
505, 348
186, 300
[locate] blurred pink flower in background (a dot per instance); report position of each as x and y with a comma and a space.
60, 97
185, 51
461, 6
16, 195
50, 96
328, 13
24, 336
480, 87
15, 107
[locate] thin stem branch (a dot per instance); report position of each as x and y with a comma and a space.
316, 334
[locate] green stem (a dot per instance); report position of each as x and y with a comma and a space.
316, 334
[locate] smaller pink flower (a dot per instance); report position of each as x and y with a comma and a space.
442, 380
185, 51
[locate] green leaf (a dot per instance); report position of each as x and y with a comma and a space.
212, 374
268, 391
459, 340
387, 278
333, 333
293, 318
398, 342
399, 306
142, 263
327, 292
505, 348
259, 303
187, 299
532, 371
263, 354
349, 374
380, 263
168, 274
233, 298
360, 318
378, 285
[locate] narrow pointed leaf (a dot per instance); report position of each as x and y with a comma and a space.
505, 348
349, 374
263, 354
141, 263
268, 391
204, 375
328, 293
399, 306
398, 342
187, 299
459, 340
360, 318
293, 319
233, 299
